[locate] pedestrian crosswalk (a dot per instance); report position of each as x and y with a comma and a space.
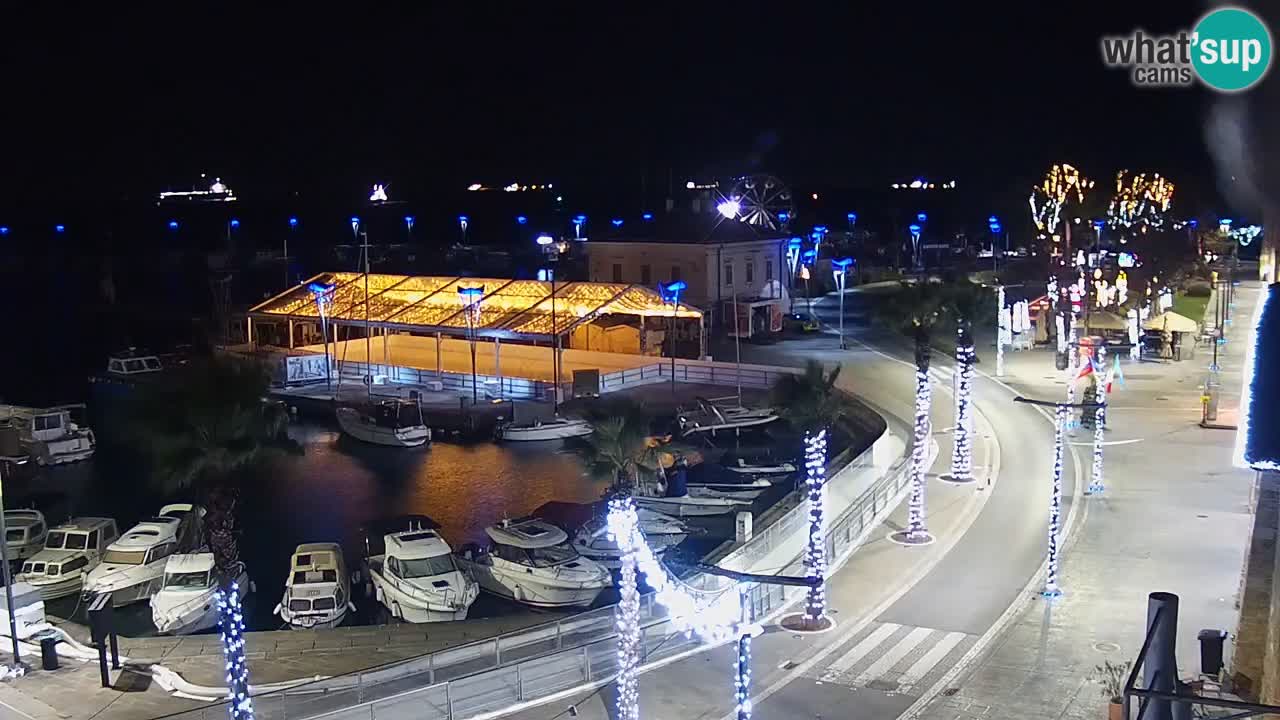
896, 658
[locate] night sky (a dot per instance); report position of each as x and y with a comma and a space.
284, 102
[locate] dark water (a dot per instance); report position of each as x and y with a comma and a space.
336, 488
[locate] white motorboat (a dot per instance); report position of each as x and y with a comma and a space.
745, 491
556, 428
671, 495
419, 580
49, 435
318, 590
746, 468
392, 422
187, 601
712, 418
661, 532
132, 567
532, 562
70, 552
25, 533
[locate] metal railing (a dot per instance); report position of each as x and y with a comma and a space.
694, 371
488, 675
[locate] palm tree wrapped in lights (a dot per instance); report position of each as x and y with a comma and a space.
207, 431
809, 401
966, 302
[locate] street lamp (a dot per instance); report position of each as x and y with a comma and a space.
355, 226
408, 226
671, 292
578, 222
173, 225
471, 306
914, 229
545, 241
993, 224
808, 258
4, 560
793, 259
321, 292
819, 233
462, 223
839, 269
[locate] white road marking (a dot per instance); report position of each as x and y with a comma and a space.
921, 667
891, 658
1110, 442
869, 643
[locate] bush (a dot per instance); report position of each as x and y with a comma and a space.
1197, 289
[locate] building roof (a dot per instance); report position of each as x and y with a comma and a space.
507, 308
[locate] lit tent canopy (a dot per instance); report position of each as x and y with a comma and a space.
507, 309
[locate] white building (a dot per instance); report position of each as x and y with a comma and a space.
720, 260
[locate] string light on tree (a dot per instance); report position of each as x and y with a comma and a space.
962, 449
1051, 588
231, 623
627, 618
916, 533
1140, 200
1061, 184
742, 662
815, 554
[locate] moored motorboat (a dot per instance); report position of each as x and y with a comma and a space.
531, 561
71, 551
746, 468
50, 435
419, 580
711, 419
746, 491
557, 428
671, 495
25, 533
132, 567
317, 593
187, 600
662, 532
391, 422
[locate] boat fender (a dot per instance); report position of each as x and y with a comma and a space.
277, 609
351, 606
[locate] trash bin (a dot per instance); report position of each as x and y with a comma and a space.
1211, 642
49, 653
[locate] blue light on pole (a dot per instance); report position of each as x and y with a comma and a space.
820, 229
617, 222
521, 220
914, 228
1099, 224
235, 223
996, 229
671, 291
173, 224
59, 228
1193, 223
293, 222
922, 218
545, 239
809, 256
993, 220
647, 216
4, 229
852, 218
355, 224
839, 267
784, 216
408, 222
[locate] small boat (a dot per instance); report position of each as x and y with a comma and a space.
745, 491
671, 495
556, 428
531, 561
25, 533
746, 468
419, 580
391, 422
187, 600
132, 567
318, 590
70, 552
662, 532
49, 435
712, 418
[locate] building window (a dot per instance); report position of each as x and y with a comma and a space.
675, 273
617, 272
728, 274
751, 271
645, 275
768, 271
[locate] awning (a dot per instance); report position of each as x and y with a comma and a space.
1171, 322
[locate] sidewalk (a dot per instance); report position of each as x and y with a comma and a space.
1175, 517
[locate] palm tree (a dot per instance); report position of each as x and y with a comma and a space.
917, 308
620, 445
965, 302
809, 401
202, 432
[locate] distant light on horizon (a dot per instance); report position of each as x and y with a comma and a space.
689, 185
617, 222
59, 228
235, 223
475, 186
173, 224
545, 239
521, 219
647, 216
293, 222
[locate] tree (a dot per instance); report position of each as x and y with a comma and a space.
203, 430
917, 308
810, 401
620, 445
966, 303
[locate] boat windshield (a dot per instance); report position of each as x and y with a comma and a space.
124, 557
553, 555
15, 536
187, 580
75, 541
426, 567
55, 540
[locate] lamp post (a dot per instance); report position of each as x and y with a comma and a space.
1051, 589
672, 291
321, 293
993, 224
839, 268
578, 222
809, 258
408, 227
545, 241
471, 304
4, 561
293, 226
819, 234
463, 221
793, 259
914, 229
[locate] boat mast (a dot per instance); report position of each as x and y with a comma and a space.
368, 342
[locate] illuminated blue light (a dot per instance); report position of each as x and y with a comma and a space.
809, 256
471, 294
521, 219
173, 224
293, 222
795, 243
235, 223
647, 216
1193, 223
580, 219
462, 218
1098, 224
617, 222
842, 264
4, 229
355, 220
922, 218
820, 229
914, 228
784, 216
408, 220
59, 228
993, 220
852, 217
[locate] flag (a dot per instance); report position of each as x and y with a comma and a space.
1116, 374
1085, 369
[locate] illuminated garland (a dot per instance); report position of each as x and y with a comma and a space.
1135, 347
627, 616
742, 666
232, 632
1004, 323
920, 436
962, 450
815, 555
1051, 588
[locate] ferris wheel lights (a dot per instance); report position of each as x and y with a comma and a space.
729, 209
